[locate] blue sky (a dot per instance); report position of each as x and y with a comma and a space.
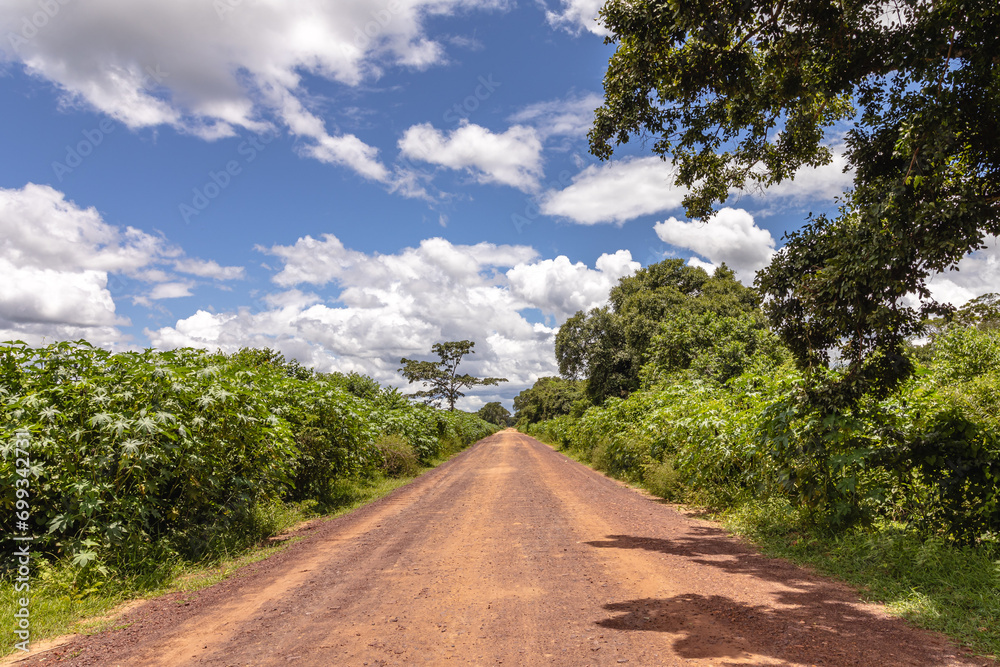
347, 184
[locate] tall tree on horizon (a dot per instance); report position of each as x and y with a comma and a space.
442, 376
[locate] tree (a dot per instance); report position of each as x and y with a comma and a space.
442, 376
742, 93
549, 397
609, 346
713, 346
495, 413
592, 346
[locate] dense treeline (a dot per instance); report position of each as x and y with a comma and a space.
137, 458
721, 415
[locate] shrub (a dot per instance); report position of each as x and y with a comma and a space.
141, 457
399, 459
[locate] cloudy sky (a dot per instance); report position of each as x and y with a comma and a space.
347, 182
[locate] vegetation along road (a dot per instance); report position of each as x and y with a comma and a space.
513, 554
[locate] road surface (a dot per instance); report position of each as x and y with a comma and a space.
513, 554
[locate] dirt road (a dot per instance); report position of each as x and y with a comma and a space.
513, 554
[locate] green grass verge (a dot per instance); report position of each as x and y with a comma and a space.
59, 605
932, 583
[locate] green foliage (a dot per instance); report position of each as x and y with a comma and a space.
712, 346
138, 458
495, 413
399, 459
548, 398
609, 346
608, 365
929, 458
743, 94
442, 376
831, 289
962, 354
982, 312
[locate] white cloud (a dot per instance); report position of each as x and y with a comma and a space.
56, 296
978, 273
55, 258
810, 183
577, 15
209, 68
512, 158
569, 117
616, 192
63, 265
731, 236
562, 288
39, 228
208, 269
386, 306
171, 290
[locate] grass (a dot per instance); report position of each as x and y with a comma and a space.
60, 605
932, 583
928, 581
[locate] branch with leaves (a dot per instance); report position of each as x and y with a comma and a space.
442, 376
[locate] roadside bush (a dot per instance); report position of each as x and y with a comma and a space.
136, 453
929, 456
662, 479
399, 459
138, 458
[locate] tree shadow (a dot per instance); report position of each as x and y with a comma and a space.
716, 627
802, 619
713, 547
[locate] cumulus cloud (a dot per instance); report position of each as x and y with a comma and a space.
208, 269
731, 236
568, 117
511, 158
577, 15
810, 183
210, 68
171, 290
61, 264
978, 273
382, 307
562, 288
616, 192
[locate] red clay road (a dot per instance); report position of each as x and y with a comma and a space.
513, 554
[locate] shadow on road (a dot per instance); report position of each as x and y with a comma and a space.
712, 547
803, 619
714, 626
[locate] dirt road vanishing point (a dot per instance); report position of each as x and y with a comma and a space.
512, 554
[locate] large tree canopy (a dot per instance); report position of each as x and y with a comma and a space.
495, 413
742, 93
548, 398
608, 346
442, 376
